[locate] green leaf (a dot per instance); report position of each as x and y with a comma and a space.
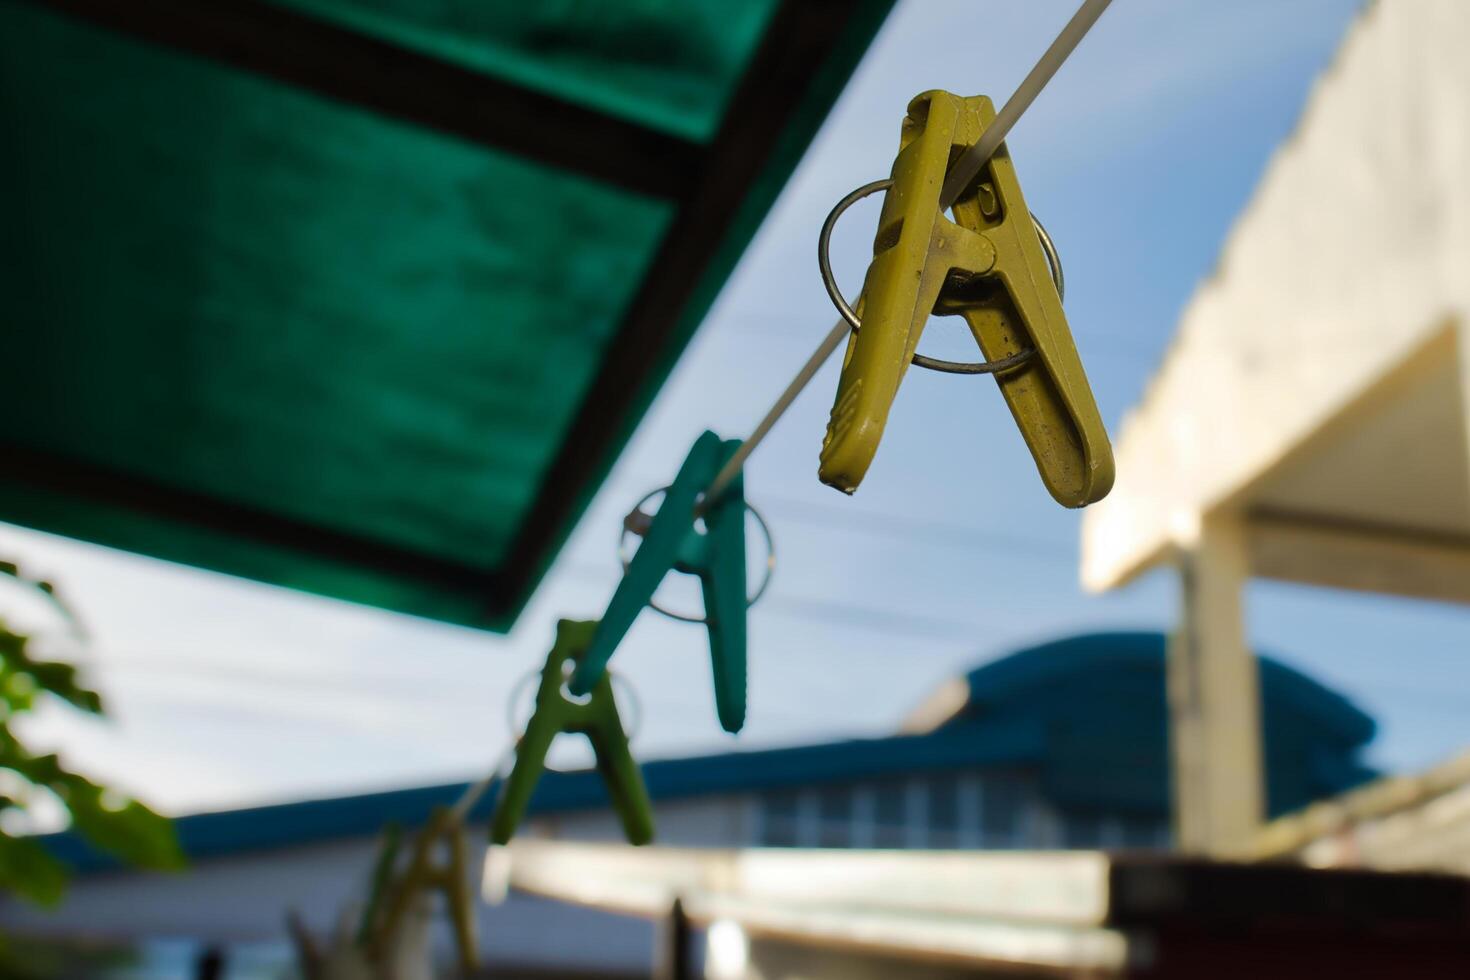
20, 677
28, 869
120, 826
61, 680
10, 569
133, 833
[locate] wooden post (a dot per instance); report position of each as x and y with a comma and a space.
1214, 698
1462, 347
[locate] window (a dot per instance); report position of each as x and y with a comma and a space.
864, 816
778, 818
834, 813
944, 811
1081, 831
1145, 832
1002, 808
888, 814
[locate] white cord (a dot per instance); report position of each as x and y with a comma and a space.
476, 790
967, 166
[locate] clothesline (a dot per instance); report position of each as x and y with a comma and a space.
960, 174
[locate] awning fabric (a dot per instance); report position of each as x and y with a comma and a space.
363, 297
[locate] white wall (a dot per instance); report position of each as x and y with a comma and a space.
245, 898
1351, 257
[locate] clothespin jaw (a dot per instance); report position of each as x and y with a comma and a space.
382, 880
1048, 394
597, 718
716, 554
989, 268
450, 878
718, 558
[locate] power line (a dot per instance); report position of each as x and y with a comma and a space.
945, 533
949, 534
1107, 344
392, 688
861, 617
868, 619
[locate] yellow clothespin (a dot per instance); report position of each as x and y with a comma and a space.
987, 266
450, 878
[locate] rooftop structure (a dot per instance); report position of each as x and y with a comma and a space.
1309, 422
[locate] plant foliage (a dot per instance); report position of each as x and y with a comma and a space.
114, 823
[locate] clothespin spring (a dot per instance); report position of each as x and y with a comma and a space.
637, 523
824, 262
521, 705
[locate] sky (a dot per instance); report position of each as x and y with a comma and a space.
1138, 156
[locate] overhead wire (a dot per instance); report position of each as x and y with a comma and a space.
919, 530
864, 617
1108, 342
390, 684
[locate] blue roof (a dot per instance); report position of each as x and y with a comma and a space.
208, 835
1087, 713
1076, 661
1101, 698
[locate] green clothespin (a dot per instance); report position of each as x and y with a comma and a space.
716, 555
597, 718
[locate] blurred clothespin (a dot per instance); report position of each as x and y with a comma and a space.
715, 553
988, 266
394, 899
597, 718
381, 882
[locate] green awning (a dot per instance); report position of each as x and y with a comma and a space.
363, 297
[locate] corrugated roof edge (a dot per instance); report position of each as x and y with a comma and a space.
231, 832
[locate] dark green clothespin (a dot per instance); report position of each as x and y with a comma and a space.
716, 554
598, 719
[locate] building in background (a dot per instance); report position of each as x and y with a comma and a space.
1062, 745
1309, 422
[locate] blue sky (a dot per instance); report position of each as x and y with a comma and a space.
1137, 157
